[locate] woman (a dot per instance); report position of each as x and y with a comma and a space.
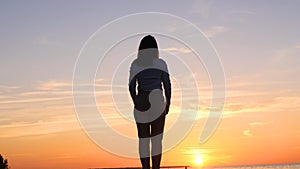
149, 72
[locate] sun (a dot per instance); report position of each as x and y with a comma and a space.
198, 160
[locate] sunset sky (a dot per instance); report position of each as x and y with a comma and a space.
258, 43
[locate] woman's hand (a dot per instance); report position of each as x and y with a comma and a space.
167, 108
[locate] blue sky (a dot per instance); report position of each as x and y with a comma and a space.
41, 40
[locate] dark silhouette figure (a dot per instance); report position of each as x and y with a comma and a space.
3, 163
150, 75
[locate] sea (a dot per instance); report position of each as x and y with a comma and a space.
272, 166
268, 166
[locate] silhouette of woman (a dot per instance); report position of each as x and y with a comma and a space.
149, 73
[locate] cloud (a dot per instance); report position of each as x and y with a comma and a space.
36, 109
4, 87
257, 123
32, 100
41, 92
194, 150
247, 133
45, 108
20, 129
54, 85
45, 101
214, 31
275, 104
178, 50
252, 125
286, 57
284, 103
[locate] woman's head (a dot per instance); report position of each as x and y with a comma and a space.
148, 50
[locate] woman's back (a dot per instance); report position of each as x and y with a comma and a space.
151, 77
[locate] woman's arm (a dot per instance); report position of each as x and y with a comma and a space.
167, 88
132, 86
132, 82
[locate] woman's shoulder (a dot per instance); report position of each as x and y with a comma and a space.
159, 61
160, 64
134, 65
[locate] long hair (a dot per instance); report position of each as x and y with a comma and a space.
148, 51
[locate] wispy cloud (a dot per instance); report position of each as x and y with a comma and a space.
194, 150
276, 104
39, 92
178, 50
247, 133
257, 123
31, 100
53, 85
3, 87
20, 129
214, 31
41, 108
286, 56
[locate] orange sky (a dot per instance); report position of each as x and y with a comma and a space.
258, 126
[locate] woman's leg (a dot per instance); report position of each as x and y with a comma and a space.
142, 104
157, 129
144, 144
